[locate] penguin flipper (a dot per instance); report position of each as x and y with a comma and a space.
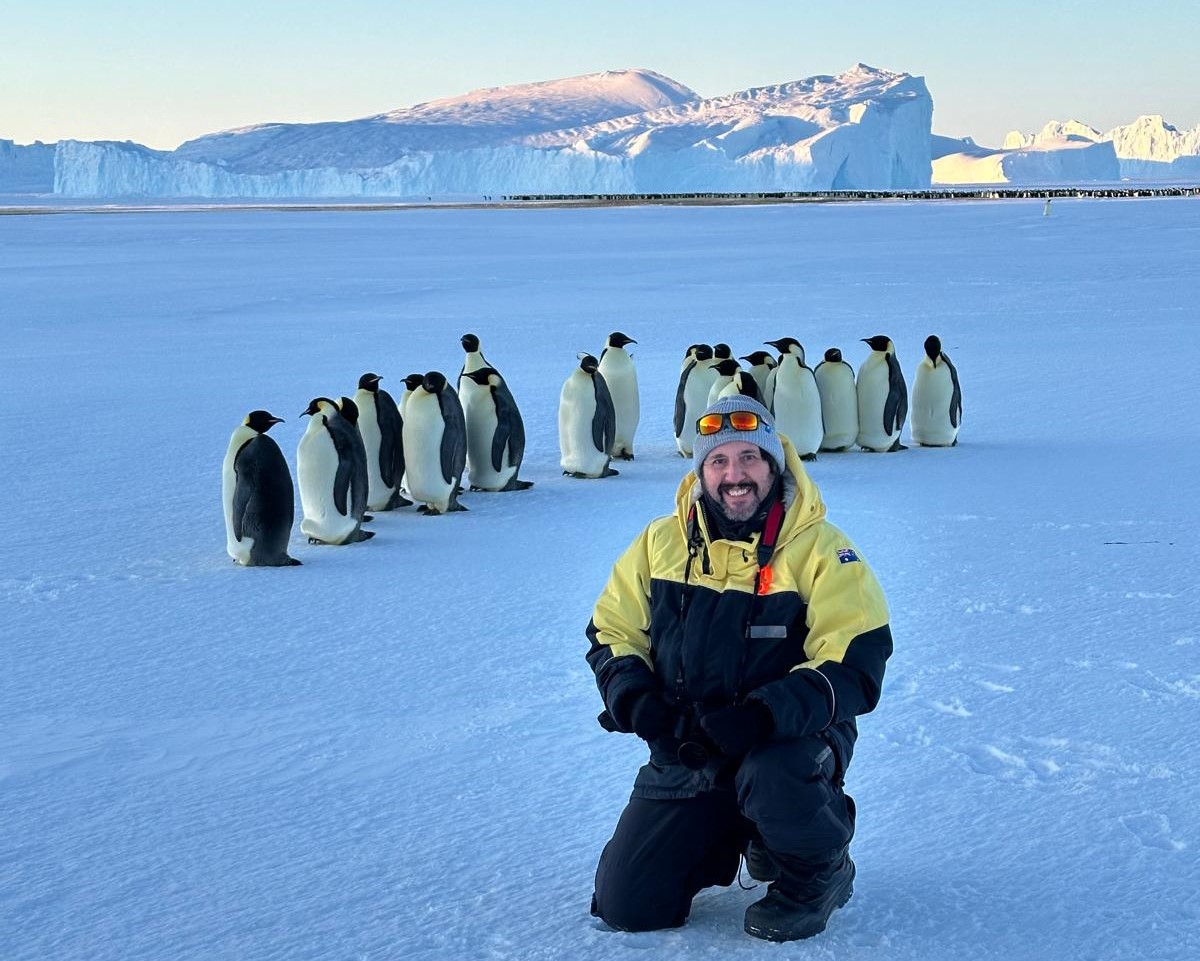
680, 402
510, 429
243, 490
955, 394
345, 469
604, 420
895, 408
454, 437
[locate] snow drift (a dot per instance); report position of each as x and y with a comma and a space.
631, 131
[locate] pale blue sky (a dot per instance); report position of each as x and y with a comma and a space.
160, 73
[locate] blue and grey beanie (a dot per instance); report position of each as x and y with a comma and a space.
765, 437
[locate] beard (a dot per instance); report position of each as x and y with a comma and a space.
743, 507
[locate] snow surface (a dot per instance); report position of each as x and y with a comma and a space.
391, 752
617, 132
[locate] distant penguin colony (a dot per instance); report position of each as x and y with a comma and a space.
372, 452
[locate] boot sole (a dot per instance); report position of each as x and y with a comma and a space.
779, 937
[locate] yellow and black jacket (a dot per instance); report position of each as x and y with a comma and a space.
680, 614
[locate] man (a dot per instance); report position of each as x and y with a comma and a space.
739, 638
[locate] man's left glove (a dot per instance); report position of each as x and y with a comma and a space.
739, 728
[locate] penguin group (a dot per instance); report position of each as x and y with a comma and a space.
371, 452
829, 407
374, 453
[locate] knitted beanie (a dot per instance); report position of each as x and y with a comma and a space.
765, 436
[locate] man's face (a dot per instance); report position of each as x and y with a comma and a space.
737, 476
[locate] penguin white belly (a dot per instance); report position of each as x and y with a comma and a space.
932, 393
621, 376
378, 493
872, 388
798, 408
316, 468
238, 550
576, 408
695, 400
717, 389
839, 406
480, 412
423, 430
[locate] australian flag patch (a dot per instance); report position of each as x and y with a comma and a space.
846, 555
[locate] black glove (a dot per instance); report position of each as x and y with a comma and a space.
651, 716
739, 728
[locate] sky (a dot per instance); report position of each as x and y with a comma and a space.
160, 74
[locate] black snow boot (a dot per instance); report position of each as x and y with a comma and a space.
800, 902
759, 863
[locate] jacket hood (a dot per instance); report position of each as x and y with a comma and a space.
801, 498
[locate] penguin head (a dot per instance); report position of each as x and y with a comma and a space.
434, 382
483, 377
701, 351
349, 409
261, 420
879, 342
726, 368
470, 343
785, 344
413, 381
833, 356
315, 407
588, 364
369, 381
618, 339
933, 348
759, 358
722, 351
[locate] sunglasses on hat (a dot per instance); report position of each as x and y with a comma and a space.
741, 420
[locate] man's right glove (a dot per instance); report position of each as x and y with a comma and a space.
651, 716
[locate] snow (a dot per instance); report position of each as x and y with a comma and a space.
617, 132
391, 751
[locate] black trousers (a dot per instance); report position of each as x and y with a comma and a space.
664, 852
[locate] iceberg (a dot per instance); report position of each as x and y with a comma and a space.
619, 132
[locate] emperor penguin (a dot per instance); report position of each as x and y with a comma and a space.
839, 401
742, 383
797, 401
358, 483
691, 397
761, 365
495, 432
435, 445
616, 367
256, 489
937, 398
882, 397
474, 359
380, 425
333, 485
586, 422
725, 370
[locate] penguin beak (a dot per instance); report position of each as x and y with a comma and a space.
278, 420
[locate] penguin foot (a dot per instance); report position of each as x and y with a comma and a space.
808, 457
317, 540
397, 500
624, 455
428, 511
